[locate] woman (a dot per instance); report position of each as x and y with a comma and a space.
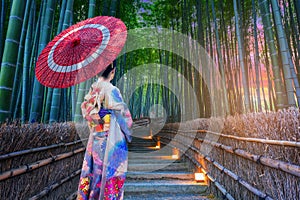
105, 161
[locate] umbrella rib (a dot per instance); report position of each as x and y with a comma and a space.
64, 69
86, 60
99, 55
87, 76
56, 71
70, 77
103, 50
45, 74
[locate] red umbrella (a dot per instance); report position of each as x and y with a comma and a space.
80, 52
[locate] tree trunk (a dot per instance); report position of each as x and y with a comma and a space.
28, 47
241, 58
220, 59
82, 91
2, 18
184, 63
17, 82
297, 8
200, 38
265, 13
288, 67
295, 37
10, 55
256, 57
50, 90
56, 98
105, 10
38, 89
113, 7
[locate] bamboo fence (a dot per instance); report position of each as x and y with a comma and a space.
40, 161
256, 156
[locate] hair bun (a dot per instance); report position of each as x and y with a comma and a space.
107, 70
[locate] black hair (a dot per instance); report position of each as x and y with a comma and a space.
106, 72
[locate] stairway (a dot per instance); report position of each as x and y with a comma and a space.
154, 174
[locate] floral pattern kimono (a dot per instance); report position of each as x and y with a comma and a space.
105, 161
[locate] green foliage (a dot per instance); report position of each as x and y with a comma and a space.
127, 12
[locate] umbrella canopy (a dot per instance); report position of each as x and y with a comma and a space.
80, 52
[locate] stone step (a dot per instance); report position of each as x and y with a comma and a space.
141, 135
163, 196
165, 186
136, 148
159, 166
152, 161
141, 139
160, 175
141, 132
145, 151
149, 156
142, 144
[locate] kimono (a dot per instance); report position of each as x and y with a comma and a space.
105, 161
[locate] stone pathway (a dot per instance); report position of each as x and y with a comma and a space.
154, 174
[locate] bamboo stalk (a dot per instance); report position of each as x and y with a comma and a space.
48, 189
29, 167
38, 149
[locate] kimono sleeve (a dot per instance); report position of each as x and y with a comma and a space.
92, 102
122, 113
87, 105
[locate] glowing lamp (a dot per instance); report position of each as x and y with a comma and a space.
175, 156
199, 177
175, 153
158, 144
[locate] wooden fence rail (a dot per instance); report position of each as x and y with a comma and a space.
234, 176
238, 166
193, 153
43, 172
273, 163
141, 122
50, 188
39, 149
197, 163
246, 139
40, 163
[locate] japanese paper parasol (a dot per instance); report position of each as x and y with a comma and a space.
80, 52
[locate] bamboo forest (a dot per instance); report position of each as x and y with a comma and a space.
216, 81
259, 61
